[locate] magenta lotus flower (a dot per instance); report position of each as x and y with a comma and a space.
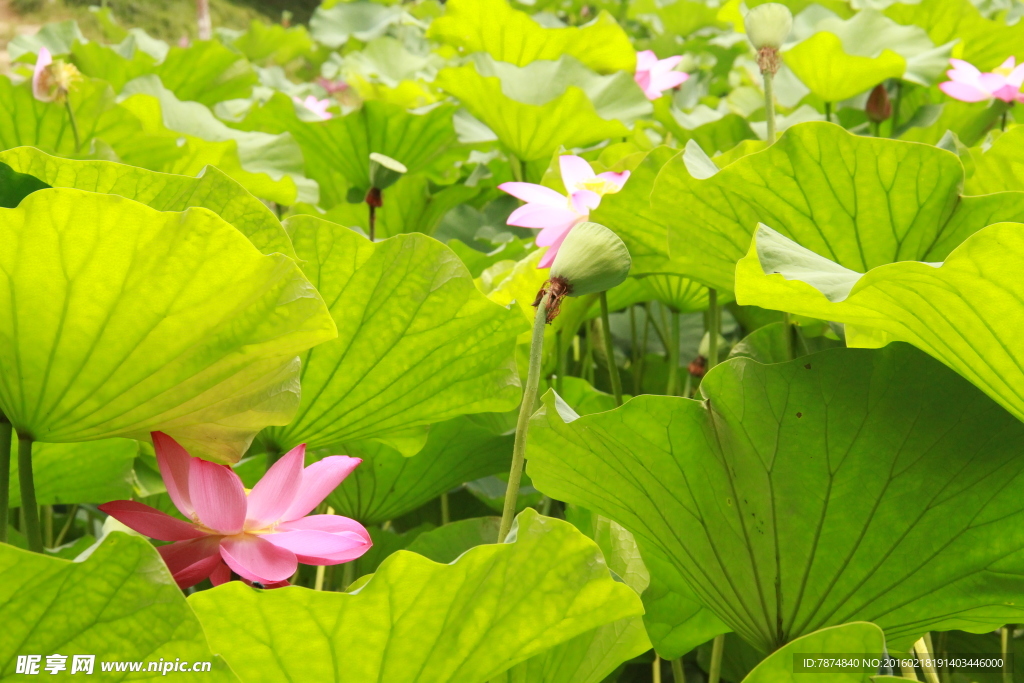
968, 84
330, 86
317, 106
41, 89
555, 214
654, 75
261, 534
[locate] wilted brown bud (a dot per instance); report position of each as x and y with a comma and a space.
879, 106
698, 366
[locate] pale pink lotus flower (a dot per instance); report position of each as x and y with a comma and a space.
41, 89
317, 106
555, 214
330, 86
655, 75
261, 534
968, 84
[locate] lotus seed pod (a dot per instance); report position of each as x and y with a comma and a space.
768, 25
591, 259
385, 171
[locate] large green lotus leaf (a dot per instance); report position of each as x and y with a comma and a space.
88, 472
269, 166
679, 18
388, 484
857, 640
447, 543
337, 152
999, 168
274, 42
963, 311
120, 605
812, 493
860, 201
162, 191
983, 42
832, 74
512, 36
417, 342
118, 320
545, 105
423, 622
334, 25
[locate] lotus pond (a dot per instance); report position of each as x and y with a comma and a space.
507, 341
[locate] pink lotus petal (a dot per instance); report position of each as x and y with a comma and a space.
1009, 63
150, 521
218, 496
645, 60
548, 258
534, 194
1007, 93
574, 170
222, 574
321, 544
540, 216
1016, 77
963, 92
585, 200
39, 91
668, 81
191, 561
643, 79
253, 558
613, 177
552, 237
961, 65
329, 523
665, 65
318, 481
275, 492
174, 463
991, 82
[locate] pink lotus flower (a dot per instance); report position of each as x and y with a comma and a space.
40, 79
261, 534
318, 107
556, 214
655, 76
52, 81
968, 84
331, 86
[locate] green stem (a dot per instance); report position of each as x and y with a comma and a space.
1002, 125
348, 575
515, 475
924, 651
446, 514
896, 109
516, 165
67, 526
673, 355
1006, 637
373, 222
717, 648
828, 112
74, 124
47, 511
29, 509
609, 350
656, 669
688, 384
769, 104
5, 475
713, 327
678, 675
562, 347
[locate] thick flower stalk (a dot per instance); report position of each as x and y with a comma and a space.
655, 76
261, 535
767, 28
556, 214
968, 84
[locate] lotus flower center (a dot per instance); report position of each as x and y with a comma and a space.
1002, 71
598, 186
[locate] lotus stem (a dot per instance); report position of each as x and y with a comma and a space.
47, 515
1006, 638
515, 475
72, 513
609, 350
1002, 124
896, 109
560, 369
29, 509
656, 669
446, 514
348, 575
74, 123
678, 675
373, 222
321, 570
717, 648
925, 655
828, 112
673, 356
5, 475
714, 325
769, 104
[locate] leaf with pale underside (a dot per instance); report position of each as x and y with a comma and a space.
118, 320
854, 641
417, 342
843, 486
860, 201
417, 620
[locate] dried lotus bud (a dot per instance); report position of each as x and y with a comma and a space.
768, 25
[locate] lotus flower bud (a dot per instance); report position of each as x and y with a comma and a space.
385, 171
768, 25
879, 107
591, 259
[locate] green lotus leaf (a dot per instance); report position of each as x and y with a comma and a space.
57, 37
120, 605
679, 18
334, 25
468, 621
545, 105
854, 640
1000, 168
832, 74
337, 152
986, 43
963, 311
388, 485
808, 494
118, 320
676, 292
78, 472
512, 36
713, 129
417, 343
274, 42
860, 201
446, 544
212, 190
676, 620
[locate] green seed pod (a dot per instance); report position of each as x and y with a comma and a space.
591, 259
385, 171
768, 25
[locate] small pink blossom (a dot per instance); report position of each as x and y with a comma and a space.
555, 214
41, 89
317, 106
655, 76
261, 534
968, 84
332, 86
